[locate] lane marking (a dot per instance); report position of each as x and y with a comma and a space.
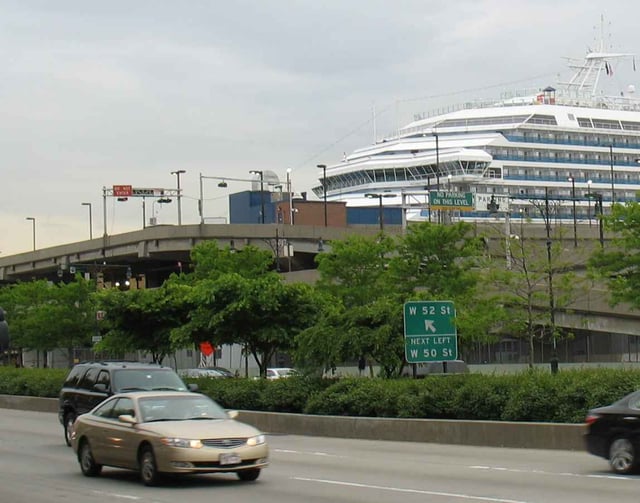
483, 467
116, 495
411, 491
559, 474
310, 453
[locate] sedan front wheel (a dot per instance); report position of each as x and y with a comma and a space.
622, 456
248, 475
148, 467
88, 465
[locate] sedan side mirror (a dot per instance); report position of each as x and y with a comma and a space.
127, 418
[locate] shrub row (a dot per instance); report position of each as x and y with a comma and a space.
534, 395
528, 396
31, 381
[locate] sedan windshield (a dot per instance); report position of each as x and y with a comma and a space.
180, 408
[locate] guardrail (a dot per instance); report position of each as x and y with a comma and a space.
439, 431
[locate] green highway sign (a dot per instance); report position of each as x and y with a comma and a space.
430, 333
444, 200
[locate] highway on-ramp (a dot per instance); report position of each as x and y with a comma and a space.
36, 467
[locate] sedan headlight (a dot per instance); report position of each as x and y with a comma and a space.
257, 440
182, 442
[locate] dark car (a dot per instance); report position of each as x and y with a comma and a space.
88, 384
613, 433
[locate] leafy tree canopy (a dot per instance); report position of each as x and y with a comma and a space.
619, 264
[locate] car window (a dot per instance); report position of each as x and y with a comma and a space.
74, 376
103, 378
178, 408
105, 410
89, 379
123, 406
634, 401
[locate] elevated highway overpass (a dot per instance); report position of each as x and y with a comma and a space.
155, 252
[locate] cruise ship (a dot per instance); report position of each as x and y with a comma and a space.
571, 145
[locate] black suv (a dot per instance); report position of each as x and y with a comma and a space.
90, 383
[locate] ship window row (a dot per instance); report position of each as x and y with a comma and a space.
563, 138
413, 173
581, 177
548, 120
608, 124
563, 156
483, 121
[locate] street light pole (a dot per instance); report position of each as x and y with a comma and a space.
589, 182
613, 195
178, 173
438, 171
573, 196
90, 220
261, 174
324, 190
33, 226
598, 197
380, 207
290, 196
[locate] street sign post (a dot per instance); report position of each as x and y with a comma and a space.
430, 332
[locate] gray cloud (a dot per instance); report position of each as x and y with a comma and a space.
100, 93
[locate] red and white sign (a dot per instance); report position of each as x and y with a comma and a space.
206, 348
122, 190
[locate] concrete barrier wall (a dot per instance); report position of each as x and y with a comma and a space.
480, 433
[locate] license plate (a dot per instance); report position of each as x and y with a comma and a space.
230, 459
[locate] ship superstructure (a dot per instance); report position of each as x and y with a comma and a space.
570, 144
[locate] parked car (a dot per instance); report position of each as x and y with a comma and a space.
203, 372
613, 433
88, 384
217, 372
279, 373
167, 432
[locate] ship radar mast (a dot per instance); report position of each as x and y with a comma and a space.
586, 79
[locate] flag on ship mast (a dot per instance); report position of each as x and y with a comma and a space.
608, 69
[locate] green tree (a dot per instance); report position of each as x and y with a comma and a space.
234, 298
539, 283
619, 263
263, 314
447, 262
142, 320
437, 259
209, 261
46, 316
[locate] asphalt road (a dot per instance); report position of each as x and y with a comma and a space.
36, 467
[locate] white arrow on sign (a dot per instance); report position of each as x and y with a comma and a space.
428, 325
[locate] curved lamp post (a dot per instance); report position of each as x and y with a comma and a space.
573, 197
323, 167
33, 226
380, 208
178, 173
90, 220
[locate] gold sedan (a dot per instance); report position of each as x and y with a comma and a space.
156, 432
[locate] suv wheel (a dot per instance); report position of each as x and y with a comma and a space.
69, 419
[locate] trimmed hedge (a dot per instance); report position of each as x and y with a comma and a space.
528, 396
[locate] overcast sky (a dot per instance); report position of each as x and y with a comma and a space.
95, 94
